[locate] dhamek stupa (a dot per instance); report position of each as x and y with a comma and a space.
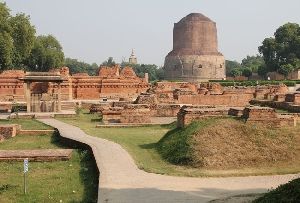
195, 55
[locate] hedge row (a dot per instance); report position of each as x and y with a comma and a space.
225, 83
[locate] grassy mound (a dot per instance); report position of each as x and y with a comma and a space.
226, 143
289, 192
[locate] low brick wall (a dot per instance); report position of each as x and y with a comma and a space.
289, 106
268, 116
225, 99
136, 113
187, 114
166, 110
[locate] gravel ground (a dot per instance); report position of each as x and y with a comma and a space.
121, 180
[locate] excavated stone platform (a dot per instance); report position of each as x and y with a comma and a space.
36, 155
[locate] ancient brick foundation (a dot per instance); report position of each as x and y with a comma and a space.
8, 131
136, 113
267, 116
188, 114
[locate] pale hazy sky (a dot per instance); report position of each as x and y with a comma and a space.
93, 30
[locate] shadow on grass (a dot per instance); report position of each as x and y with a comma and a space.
89, 174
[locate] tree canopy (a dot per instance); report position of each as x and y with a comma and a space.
155, 72
281, 53
109, 62
76, 66
20, 48
46, 53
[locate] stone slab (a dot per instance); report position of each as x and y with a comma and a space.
36, 155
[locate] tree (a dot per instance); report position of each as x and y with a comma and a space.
76, 66
262, 71
6, 41
46, 54
230, 65
235, 72
6, 50
154, 72
23, 35
281, 53
253, 62
109, 62
247, 72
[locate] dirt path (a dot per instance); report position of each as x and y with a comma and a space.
122, 181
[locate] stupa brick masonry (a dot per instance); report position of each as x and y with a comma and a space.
195, 55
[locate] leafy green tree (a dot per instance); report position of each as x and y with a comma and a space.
253, 62
76, 66
6, 50
235, 72
155, 72
230, 65
23, 34
247, 72
109, 62
6, 41
281, 53
4, 17
262, 71
46, 54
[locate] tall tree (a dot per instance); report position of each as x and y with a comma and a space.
282, 52
6, 50
46, 54
6, 41
23, 34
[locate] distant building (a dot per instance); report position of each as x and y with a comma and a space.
132, 58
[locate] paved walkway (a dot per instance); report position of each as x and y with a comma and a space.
122, 181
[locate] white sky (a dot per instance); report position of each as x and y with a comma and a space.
93, 30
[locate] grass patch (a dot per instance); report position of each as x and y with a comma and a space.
144, 144
289, 192
27, 124
74, 180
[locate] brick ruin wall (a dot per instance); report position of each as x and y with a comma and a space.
188, 114
80, 86
268, 116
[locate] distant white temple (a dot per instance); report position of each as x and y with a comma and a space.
132, 58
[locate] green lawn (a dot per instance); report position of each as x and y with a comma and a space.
27, 124
141, 143
70, 181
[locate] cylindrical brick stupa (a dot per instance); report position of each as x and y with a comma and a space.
195, 55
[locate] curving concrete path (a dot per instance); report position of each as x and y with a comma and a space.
121, 181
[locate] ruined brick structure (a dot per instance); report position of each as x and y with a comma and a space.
111, 83
268, 116
195, 55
